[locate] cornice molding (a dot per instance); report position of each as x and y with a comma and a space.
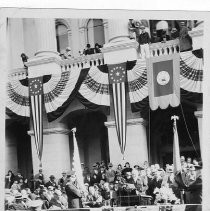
52, 131
138, 121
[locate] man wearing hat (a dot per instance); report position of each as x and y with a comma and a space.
195, 184
63, 180
95, 177
51, 182
73, 191
110, 173
143, 41
39, 179
18, 204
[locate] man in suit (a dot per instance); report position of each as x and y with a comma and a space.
39, 179
73, 191
51, 182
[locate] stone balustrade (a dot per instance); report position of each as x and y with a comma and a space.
19, 73
164, 48
83, 61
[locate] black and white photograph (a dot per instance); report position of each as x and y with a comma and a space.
104, 113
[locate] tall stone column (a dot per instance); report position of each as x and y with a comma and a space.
136, 147
199, 116
46, 60
46, 36
106, 30
120, 48
118, 30
82, 38
75, 36
56, 151
16, 43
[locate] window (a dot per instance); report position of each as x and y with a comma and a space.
61, 37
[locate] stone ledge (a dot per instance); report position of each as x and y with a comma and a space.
137, 121
51, 131
38, 60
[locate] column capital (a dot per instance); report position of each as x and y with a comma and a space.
44, 65
138, 121
50, 131
199, 114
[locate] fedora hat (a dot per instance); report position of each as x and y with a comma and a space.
18, 196
110, 165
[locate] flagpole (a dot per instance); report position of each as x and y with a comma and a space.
76, 163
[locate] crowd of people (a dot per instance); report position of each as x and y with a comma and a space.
138, 31
67, 54
103, 186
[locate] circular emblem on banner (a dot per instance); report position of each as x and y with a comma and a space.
163, 78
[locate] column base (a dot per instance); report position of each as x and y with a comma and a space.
136, 151
56, 152
120, 51
44, 63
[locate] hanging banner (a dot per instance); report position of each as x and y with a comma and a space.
36, 97
163, 81
117, 78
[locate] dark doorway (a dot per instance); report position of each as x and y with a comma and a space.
91, 134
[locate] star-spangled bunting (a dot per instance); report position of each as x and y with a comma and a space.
36, 97
117, 77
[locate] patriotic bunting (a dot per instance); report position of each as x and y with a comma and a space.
95, 87
163, 81
137, 81
36, 97
17, 98
91, 86
191, 72
117, 77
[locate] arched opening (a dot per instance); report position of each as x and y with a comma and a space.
91, 135
161, 134
95, 32
61, 37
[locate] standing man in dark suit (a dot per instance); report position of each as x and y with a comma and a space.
73, 191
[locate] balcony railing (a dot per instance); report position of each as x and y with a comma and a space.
164, 48
19, 74
83, 61
66, 64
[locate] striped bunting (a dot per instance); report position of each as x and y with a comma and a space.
36, 97
95, 87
